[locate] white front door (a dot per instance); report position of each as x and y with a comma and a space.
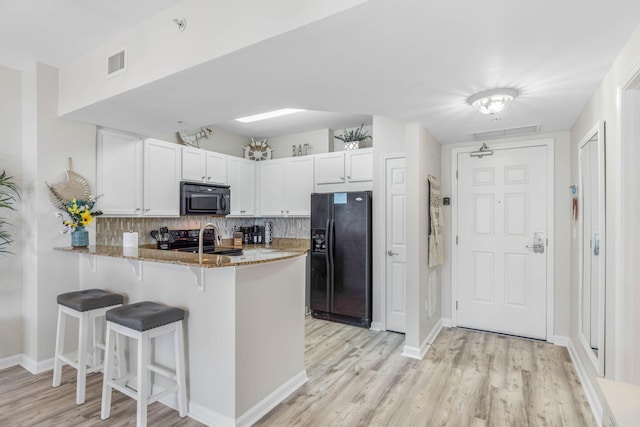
502, 241
396, 244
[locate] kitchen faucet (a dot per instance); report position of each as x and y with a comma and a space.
216, 237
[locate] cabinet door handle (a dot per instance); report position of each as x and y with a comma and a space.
147, 209
137, 209
204, 178
391, 253
208, 178
348, 177
342, 178
281, 212
287, 212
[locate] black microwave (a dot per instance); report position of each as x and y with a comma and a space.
204, 199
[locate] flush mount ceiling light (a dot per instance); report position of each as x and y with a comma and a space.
269, 115
492, 101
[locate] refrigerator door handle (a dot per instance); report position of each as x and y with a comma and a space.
330, 266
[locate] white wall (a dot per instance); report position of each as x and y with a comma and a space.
423, 159
622, 288
561, 219
11, 322
319, 142
47, 143
219, 141
390, 135
210, 33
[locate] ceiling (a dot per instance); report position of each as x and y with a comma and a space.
412, 60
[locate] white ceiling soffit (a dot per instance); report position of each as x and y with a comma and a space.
502, 133
412, 60
55, 32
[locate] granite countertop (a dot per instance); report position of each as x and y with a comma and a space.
252, 254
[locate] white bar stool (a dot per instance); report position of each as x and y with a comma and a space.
144, 321
86, 306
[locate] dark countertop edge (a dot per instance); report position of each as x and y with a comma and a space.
179, 258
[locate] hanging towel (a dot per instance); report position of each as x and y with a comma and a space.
436, 247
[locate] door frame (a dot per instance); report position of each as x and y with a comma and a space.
549, 143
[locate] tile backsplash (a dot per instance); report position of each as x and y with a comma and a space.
109, 230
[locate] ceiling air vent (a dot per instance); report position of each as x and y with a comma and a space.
501, 133
117, 63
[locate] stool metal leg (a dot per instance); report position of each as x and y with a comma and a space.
180, 370
57, 364
108, 373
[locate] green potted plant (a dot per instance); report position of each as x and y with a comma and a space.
352, 138
8, 195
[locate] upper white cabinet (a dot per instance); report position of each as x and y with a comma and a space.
137, 177
344, 170
285, 186
242, 180
329, 168
358, 165
298, 185
119, 173
204, 166
161, 178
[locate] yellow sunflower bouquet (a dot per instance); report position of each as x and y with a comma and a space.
79, 211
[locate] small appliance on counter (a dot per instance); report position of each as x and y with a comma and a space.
187, 241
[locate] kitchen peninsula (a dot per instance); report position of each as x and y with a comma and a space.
244, 326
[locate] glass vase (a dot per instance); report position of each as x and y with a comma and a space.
79, 237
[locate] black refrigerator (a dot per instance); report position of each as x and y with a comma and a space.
340, 279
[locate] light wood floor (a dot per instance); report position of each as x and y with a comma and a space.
358, 377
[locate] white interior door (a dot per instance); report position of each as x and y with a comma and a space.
502, 242
396, 244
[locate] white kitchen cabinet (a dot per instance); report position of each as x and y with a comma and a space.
137, 177
242, 180
271, 187
161, 178
204, 166
329, 168
285, 186
350, 170
298, 185
119, 173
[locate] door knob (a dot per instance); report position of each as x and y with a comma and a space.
538, 245
391, 253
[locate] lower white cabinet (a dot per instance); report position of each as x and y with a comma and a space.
285, 186
242, 180
137, 177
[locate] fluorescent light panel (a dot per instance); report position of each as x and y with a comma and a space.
269, 115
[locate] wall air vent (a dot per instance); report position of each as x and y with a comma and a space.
502, 133
117, 63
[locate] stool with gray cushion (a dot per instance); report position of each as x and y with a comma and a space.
87, 306
144, 321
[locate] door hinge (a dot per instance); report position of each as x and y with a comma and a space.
456, 240
547, 242
456, 174
456, 305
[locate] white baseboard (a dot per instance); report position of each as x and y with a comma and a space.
11, 361
447, 323
376, 326
36, 367
27, 363
213, 418
561, 341
419, 353
271, 401
587, 385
